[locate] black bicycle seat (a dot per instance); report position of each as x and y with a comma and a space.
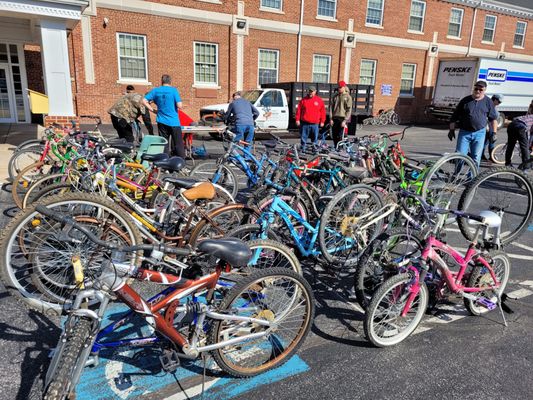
154, 157
124, 147
171, 164
233, 250
270, 144
184, 183
356, 172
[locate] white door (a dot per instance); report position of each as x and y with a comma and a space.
7, 113
274, 111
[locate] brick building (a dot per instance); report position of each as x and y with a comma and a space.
84, 53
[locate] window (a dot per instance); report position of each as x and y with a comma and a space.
268, 66
456, 21
326, 8
367, 75
276, 4
321, 67
408, 79
520, 34
272, 98
206, 63
132, 57
490, 28
416, 18
374, 12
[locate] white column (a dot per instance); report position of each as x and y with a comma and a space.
54, 51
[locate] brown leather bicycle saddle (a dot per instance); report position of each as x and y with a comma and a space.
203, 191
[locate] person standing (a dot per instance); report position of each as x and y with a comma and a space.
517, 131
243, 113
310, 114
125, 112
168, 102
341, 112
147, 121
472, 114
491, 137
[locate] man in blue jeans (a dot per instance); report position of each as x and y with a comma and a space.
243, 114
472, 114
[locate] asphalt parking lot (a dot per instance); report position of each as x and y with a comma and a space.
452, 355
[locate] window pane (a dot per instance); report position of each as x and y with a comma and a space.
206, 67
268, 66
132, 54
267, 76
417, 8
326, 8
487, 35
271, 4
374, 12
520, 28
407, 81
415, 24
490, 22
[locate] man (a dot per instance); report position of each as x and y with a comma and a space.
146, 116
490, 138
243, 113
310, 114
517, 131
473, 113
125, 112
168, 102
341, 111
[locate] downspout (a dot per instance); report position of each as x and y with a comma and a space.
472, 28
300, 26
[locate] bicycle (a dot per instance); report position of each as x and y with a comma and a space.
398, 306
249, 326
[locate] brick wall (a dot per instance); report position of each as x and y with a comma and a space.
34, 67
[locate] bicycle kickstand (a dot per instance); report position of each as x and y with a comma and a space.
501, 309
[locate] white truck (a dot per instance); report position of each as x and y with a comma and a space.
456, 77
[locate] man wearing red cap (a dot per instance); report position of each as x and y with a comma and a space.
341, 111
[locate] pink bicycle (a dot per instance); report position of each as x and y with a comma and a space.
398, 306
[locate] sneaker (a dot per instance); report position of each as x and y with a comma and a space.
484, 158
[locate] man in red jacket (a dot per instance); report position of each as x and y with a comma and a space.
310, 113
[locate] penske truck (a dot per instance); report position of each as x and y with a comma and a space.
456, 78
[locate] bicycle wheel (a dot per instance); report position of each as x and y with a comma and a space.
69, 360
380, 260
277, 295
271, 254
36, 263
21, 159
39, 185
395, 119
251, 232
220, 174
384, 324
480, 276
340, 237
497, 155
504, 190
53, 190
27, 177
447, 178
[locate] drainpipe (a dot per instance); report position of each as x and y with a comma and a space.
299, 46
472, 28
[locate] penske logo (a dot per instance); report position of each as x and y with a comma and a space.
497, 75
463, 70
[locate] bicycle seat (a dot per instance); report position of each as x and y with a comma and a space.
270, 144
183, 183
203, 191
154, 157
233, 250
124, 147
492, 220
356, 172
171, 164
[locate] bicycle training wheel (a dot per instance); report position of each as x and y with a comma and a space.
277, 295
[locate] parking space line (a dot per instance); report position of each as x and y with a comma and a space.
523, 246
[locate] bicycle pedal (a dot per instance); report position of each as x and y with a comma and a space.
123, 381
169, 360
489, 305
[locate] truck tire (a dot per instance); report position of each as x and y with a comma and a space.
501, 120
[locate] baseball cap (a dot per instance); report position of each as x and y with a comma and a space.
311, 88
482, 84
498, 97
130, 87
342, 84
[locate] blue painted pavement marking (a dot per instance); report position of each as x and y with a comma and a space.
530, 228
130, 373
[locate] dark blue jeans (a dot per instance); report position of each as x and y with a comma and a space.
244, 132
308, 131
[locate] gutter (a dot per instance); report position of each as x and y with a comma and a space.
472, 28
299, 45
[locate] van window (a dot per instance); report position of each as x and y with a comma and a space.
272, 99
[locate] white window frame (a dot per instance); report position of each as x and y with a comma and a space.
416, 16
493, 30
413, 80
523, 35
374, 69
199, 83
268, 8
381, 14
460, 23
326, 16
329, 66
259, 65
126, 79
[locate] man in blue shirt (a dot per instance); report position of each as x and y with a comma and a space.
244, 114
168, 101
472, 114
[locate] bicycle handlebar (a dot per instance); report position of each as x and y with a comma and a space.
69, 221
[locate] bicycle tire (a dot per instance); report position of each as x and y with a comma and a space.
38, 185
338, 233
249, 232
67, 364
265, 281
206, 171
13, 167
497, 155
31, 143
18, 252
52, 190
25, 179
275, 254
397, 283
480, 276
499, 185
380, 260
